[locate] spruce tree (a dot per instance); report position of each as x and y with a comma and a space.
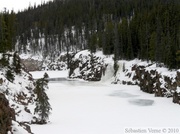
178, 57
4, 60
43, 106
92, 43
3, 34
9, 75
16, 63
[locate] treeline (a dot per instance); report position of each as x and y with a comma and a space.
7, 31
148, 30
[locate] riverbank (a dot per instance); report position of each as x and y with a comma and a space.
104, 108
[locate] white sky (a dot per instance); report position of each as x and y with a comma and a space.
18, 4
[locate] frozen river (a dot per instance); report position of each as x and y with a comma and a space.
81, 107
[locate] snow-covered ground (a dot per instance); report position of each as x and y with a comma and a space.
81, 107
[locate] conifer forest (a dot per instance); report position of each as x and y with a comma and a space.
129, 29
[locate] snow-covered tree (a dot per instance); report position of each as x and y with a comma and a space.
43, 106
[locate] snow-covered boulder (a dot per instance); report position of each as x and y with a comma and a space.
86, 65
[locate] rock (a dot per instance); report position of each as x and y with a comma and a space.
7, 114
1, 81
26, 127
88, 67
176, 98
150, 81
144, 78
178, 78
32, 65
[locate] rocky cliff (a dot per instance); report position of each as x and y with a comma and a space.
7, 114
154, 80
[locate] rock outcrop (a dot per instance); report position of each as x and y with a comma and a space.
153, 82
32, 65
86, 66
7, 114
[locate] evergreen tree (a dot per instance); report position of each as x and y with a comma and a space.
7, 31
130, 53
9, 75
108, 47
43, 106
178, 57
4, 61
116, 43
16, 63
92, 43
3, 34
152, 46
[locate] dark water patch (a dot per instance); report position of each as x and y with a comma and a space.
59, 79
122, 94
73, 82
141, 102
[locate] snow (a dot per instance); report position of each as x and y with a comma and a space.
17, 129
37, 57
80, 107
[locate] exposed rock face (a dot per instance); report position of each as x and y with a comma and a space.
144, 79
48, 63
178, 78
7, 114
176, 95
32, 65
153, 82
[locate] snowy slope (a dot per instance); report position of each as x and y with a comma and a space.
19, 93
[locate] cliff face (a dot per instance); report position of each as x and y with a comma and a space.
32, 65
151, 80
38, 63
176, 95
7, 114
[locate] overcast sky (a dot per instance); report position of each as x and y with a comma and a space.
18, 4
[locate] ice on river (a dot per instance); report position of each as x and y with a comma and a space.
81, 107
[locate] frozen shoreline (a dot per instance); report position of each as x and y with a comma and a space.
103, 108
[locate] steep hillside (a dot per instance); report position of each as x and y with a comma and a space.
17, 95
